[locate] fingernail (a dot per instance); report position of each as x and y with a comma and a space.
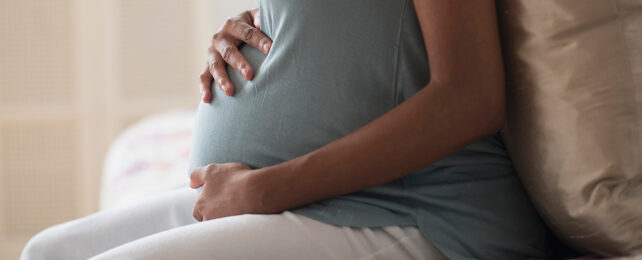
266, 48
228, 90
244, 71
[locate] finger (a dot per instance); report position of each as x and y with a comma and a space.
252, 36
206, 84
256, 18
219, 73
197, 178
237, 165
232, 56
197, 214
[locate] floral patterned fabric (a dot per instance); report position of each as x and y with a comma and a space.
148, 158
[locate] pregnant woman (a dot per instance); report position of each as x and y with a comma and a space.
342, 129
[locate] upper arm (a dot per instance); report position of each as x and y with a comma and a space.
463, 46
461, 38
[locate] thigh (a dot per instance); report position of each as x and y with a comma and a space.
278, 236
96, 233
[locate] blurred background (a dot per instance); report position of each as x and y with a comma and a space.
73, 75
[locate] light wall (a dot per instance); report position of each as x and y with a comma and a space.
75, 73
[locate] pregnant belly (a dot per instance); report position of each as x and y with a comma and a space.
287, 110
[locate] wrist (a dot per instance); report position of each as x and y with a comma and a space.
264, 185
275, 187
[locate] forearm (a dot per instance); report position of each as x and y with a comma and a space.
434, 123
463, 102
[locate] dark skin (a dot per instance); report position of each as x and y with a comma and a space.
244, 27
463, 102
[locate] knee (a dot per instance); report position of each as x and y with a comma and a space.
44, 245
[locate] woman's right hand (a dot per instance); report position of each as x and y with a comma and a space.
244, 27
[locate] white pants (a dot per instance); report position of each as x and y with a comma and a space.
163, 228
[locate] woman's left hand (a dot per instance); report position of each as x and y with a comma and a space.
227, 191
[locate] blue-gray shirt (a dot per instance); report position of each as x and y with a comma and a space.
334, 66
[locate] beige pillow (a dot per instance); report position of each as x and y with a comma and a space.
574, 116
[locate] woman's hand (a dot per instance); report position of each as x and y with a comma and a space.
227, 191
244, 27
465, 68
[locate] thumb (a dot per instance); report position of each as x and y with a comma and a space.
197, 178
